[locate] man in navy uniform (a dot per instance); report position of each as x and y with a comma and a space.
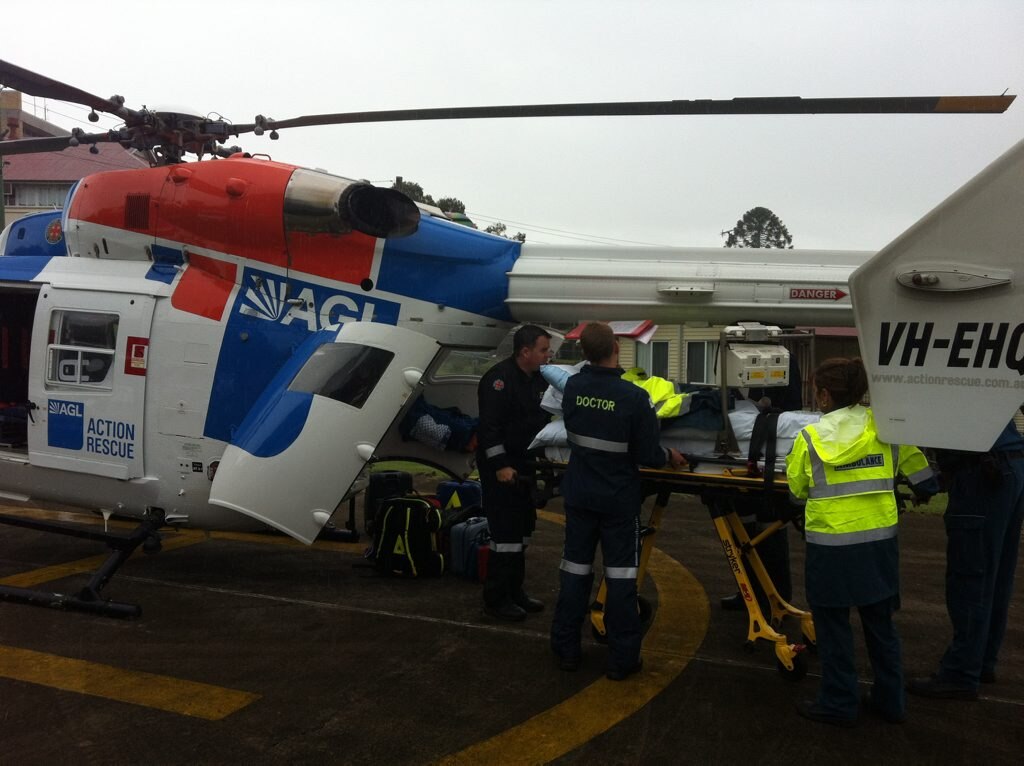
612, 428
983, 523
509, 396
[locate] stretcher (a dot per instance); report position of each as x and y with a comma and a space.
714, 480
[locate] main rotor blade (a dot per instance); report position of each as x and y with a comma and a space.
33, 84
780, 105
54, 144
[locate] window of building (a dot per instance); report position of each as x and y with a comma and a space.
37, 195
700, 361
653, 357
82, 348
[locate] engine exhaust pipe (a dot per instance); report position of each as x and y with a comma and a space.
319, 203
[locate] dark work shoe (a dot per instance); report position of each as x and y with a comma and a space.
507, 612
527, 604
620, 674
868, 703
941, 690
733, 603
810, 710
988, 676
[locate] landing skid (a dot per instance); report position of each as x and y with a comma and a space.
89, 598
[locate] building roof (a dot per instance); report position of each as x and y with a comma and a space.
69, 165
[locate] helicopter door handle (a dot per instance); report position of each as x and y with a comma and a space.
31, 406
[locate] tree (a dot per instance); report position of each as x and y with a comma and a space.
499, 228
451, 205
413, 191
759, 227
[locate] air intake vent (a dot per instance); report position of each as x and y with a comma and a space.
136, 211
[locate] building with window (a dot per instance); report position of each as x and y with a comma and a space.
33, 183
688, 353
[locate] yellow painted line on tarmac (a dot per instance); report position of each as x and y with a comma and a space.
173, 695
150, 690
81, 566
679, 626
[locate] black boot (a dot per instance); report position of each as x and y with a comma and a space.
527, 604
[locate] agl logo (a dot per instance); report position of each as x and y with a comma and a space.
315, 306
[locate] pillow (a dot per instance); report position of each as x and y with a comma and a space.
556, 375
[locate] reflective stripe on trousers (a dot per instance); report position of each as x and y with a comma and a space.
851, 538
576, 569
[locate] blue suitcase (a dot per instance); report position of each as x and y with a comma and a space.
467, 538
456, 495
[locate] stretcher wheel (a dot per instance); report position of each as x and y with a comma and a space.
646, 613
799, 668
811, 645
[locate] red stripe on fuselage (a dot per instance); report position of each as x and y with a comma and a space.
205, 287
344, 257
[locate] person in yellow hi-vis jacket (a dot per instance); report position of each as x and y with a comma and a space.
845, 476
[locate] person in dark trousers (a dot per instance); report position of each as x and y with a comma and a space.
983, 525
846, 476
509, 396
612, 428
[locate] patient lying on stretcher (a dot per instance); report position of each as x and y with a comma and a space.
691, 421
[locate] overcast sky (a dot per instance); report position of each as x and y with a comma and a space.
843, 182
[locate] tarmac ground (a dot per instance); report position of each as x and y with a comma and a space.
253, 649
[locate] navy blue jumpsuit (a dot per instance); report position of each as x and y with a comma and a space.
510, 416
612, 428
983, 525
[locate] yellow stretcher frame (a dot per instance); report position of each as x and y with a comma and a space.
729, 480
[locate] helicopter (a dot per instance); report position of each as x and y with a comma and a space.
230, 342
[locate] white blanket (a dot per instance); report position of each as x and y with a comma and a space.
693, 441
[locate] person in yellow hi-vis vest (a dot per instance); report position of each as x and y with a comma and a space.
845, 476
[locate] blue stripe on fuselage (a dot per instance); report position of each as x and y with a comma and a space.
22, 268
451, 265
278, 416
166, 263
264, 331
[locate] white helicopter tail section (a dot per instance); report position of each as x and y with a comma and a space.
940, 318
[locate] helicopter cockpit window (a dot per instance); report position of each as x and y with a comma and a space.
81, 349
345, 372
464, 363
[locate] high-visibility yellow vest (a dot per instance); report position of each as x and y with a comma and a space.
667, 403
846, 476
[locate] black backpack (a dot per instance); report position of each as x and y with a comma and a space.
405, 537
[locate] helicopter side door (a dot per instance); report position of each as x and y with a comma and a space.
87, 381
319, 421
